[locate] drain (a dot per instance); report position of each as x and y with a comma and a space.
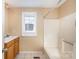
36, 57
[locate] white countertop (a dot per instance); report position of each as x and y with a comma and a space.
8, 39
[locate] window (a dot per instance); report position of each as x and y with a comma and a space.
29, 23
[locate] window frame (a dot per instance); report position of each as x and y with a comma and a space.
29, 33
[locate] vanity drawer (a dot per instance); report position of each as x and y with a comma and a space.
7, 45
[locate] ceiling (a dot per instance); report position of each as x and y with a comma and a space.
35, 3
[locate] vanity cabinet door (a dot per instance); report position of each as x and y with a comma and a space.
16, 46
10, 52
16, 49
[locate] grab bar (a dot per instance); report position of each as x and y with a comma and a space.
68, 42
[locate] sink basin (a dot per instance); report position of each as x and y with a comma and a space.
6, 36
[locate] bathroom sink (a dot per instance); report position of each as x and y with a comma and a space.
9, 38
6, 36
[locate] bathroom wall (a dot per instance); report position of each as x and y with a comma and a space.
67, 24
67, 8
68, 31
51, 33
68, 27
14, 27
6, 21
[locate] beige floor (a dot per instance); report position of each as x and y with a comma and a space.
30, 56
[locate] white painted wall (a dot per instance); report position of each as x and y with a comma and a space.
67, 32
68, 28
51, 30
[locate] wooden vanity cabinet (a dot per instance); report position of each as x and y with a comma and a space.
12, 49
10, 53
16, 46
